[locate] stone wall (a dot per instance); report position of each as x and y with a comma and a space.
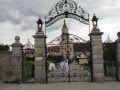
11, 63
5, 61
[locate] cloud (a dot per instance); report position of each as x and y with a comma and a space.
22, 15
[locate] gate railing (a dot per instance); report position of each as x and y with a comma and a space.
110, 61
75, 72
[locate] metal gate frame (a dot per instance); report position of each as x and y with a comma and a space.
69, 72
110, 61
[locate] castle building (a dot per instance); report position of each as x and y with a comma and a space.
28, 49
69, 45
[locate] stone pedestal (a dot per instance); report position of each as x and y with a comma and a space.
118, 55
97, 55
40, 41
16, 62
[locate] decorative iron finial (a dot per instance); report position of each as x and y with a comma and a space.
94, 21
108, 40
39, 24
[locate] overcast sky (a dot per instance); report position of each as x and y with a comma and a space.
18, 17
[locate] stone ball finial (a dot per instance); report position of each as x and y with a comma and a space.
17, 42
17, 38
118, 34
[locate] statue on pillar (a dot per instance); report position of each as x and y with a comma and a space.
39, 24
94, 21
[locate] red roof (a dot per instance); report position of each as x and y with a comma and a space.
53, 49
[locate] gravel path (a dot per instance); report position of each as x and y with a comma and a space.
63, 86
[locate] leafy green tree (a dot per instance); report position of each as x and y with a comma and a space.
4, 47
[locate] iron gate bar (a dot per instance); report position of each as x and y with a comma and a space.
68, 57
116, 62
91, 59
22, 63
46, 67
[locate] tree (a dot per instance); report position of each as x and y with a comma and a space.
4, 47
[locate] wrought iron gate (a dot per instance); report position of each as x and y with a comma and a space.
63, 67
74, 73
110, 62
77, 69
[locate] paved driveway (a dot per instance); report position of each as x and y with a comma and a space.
63, 86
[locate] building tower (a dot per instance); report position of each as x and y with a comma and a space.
63, 42
66, 48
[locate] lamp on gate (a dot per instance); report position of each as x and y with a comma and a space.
39, 24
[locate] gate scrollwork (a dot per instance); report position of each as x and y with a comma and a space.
66, 9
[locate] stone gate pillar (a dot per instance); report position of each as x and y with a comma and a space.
118, 55
40, 41
97, 55
16, 62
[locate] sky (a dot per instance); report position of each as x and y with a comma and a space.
18, 18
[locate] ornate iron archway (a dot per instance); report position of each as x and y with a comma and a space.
66, 9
